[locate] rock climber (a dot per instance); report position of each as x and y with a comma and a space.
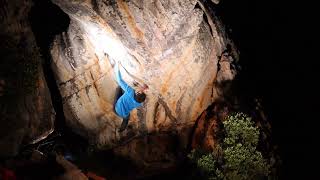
127, 98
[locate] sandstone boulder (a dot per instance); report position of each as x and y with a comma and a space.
172, 46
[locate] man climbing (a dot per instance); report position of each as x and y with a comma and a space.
128, 100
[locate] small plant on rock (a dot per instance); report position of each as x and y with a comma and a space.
240, 158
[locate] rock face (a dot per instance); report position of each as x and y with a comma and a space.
215, 1
209, 126
172, 46
26, 112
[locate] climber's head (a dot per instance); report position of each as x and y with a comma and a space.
139, 96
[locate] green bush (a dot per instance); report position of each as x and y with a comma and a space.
206, 165
239, 159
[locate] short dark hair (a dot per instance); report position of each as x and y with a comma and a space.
139, 97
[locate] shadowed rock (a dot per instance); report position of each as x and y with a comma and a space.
26, 111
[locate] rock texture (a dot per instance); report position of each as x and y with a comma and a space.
208, 127
26, 112
152, 153
172, 46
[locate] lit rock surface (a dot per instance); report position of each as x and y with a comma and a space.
168, 45
215, 1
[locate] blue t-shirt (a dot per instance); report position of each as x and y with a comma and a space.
126, 102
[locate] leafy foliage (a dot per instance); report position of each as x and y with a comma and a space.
206, 164
239, 159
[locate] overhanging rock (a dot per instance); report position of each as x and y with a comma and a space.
167, 45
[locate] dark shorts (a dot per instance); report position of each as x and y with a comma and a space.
118, 94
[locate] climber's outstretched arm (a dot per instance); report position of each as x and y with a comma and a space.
119, 79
